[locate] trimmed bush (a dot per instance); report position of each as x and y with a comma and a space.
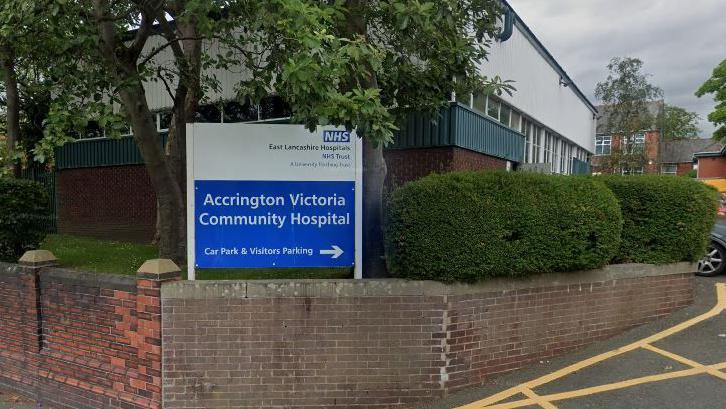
23, 217
666, 219
473, 225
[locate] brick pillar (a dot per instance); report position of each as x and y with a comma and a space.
30, 309
150, 277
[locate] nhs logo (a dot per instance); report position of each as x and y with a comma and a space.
336, 136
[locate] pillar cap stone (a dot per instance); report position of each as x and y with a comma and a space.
38, 258
159, 269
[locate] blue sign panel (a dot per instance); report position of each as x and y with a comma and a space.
242, 224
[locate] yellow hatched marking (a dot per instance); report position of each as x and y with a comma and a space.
538, 399
686, 361
608, 387
716, 310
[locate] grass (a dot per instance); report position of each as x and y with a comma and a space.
113, 257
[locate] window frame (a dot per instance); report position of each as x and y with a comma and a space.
600, 142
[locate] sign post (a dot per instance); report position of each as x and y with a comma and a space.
262, 195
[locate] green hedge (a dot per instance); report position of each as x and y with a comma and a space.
666, 219
23, 216
473, 225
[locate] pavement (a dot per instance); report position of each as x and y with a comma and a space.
11, 400
678, 362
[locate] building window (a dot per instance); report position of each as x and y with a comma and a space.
505, 114
234, 111
163, 121
480, 103
637, 145
208, 114
548, 147
493, 107
563, 158
93, 130
632, 170
669, 168
464, 99
274, 107
527, 131
603, 144
514, 123
537, 138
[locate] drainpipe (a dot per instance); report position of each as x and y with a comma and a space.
508, 26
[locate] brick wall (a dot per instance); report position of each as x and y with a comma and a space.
80, 341
388, 343
114, 202
712, 167
651, 155
405, 165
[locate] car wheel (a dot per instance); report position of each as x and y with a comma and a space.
714, 262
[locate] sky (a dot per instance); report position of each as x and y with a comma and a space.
680, 42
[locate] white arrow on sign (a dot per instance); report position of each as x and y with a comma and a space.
335, 252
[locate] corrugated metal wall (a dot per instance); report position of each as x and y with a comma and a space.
462, 127
580, 167
455, 126
540, 94
99, 152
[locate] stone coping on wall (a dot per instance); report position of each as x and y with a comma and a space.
398, 287
73, 277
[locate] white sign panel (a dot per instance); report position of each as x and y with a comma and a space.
263, 195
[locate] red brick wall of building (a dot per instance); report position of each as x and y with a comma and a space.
600, 163
115, 202
684, 168
80, 341
405, 165
712, 167
341, 345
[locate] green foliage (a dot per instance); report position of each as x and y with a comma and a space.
317, 56
679, 123
23, 217
626, 94
475, 225
693, 173
716, 85
666, 219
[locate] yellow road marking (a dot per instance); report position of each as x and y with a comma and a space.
538, 399
607, 387
686, 361
716, 310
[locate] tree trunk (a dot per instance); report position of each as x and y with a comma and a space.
374, 175
172, 210
7, 62
374, 167
186, 102
123, 65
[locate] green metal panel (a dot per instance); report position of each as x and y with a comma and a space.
580, 167
460, 126
480, 133
423, 130
100, 152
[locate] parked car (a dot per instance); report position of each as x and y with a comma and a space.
714, 261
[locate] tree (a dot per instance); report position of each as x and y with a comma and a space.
716, 85
679, 123
626, 94
366, 65
362, 65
